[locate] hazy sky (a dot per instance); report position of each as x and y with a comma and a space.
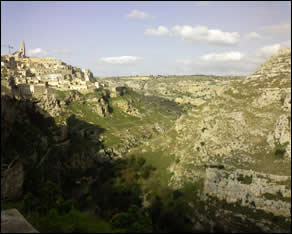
129, 38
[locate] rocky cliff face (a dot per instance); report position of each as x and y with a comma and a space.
267, 192
247, 127
242, 125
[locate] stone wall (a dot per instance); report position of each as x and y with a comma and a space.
39, 90
24, 90
255, 190
51, 92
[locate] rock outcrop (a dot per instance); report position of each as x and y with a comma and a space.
12, 179
13, 222
255, 190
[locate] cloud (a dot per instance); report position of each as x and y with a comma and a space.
39, 52
222, 57
286, 44
269, 50
198, 66
121, 59
252, 36
233, 62
136, 14
283, 28
160, 31
203, 34
62, 51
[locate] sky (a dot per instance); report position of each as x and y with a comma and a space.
150, 38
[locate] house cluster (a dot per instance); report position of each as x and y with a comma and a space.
37, 73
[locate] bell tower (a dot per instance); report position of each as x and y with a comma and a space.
22, 48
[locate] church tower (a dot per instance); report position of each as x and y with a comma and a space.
22, 49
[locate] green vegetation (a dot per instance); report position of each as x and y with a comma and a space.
161, 162
245, 179
276, 197
251, 213
132, 221
3, 73
72, 221
61, 94
115, 196
280, 149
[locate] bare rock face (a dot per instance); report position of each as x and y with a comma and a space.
62, 134
287, 102
126, 107
12, 181
281, 134
251, 189
49, 105
13, 222
100, 107
277, 66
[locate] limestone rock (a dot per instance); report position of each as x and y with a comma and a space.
250, 189
287, 102
100, 107
12, 181
62, 134
268, 96
281, 133
13, 222
127, 107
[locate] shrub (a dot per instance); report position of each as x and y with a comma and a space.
146, 171
280, 149
140, 161
73, 221
245, 179
133, 221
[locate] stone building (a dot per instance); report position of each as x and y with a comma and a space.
22, 48
41, 71
24, 90
21, 53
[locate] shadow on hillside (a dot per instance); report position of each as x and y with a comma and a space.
66, 166
30, 136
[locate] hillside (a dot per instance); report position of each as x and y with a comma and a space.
176, 152
234, 129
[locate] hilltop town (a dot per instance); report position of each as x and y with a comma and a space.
33, 75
